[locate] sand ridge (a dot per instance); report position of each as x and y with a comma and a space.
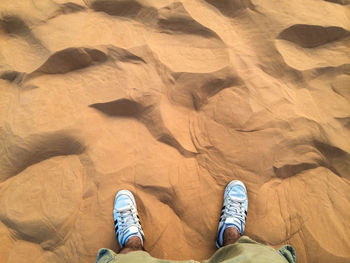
172, 100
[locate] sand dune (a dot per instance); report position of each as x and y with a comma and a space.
172, 100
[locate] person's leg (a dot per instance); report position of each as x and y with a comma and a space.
128, 230
247, 250
231, 235
127, 223
233, 214
235, 248
129, 234
133, 244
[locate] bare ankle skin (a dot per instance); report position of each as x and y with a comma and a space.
133, 244
231, 235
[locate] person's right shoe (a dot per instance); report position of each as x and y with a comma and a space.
234, 210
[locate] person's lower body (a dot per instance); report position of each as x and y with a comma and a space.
232, 246
244, 250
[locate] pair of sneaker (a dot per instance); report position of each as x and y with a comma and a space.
233, 214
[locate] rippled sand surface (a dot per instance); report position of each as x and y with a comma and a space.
172, 100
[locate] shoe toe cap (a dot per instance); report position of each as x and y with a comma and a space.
123, 200
238, 191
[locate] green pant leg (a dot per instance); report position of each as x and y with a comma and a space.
289, 253
108, 256
246, 250
105, 255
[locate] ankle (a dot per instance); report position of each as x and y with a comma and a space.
231, 235
134, 243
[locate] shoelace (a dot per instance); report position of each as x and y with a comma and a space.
234, 208
126, 218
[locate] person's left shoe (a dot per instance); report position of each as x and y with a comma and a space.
126, 219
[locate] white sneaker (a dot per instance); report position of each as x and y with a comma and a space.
126, 220
234, 210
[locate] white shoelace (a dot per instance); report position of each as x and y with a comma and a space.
126, 218
234, 208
